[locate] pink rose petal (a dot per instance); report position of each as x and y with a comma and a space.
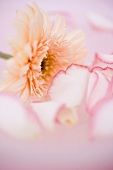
47, 112
69, 87
102, 120
100, 23
67, 116
105, 59
98, 88
15, 120
107, 72
104, 64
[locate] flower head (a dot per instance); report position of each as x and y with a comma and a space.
40, 50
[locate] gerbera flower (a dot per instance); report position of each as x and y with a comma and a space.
40, 50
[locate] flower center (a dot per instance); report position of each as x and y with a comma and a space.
47, 65
44, 65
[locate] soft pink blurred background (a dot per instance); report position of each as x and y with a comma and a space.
68, 148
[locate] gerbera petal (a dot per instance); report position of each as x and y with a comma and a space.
36, 28
22, 30
30, 11
59, 25
22, 16
15, 44
2, 64
19, 84
6, 84
36, 25
47, 112
74, 35
102, 118
28, 50
25, 92
78, 43
68, 87
47, 25
99, 22
15, 120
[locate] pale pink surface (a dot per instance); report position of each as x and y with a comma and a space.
68, 147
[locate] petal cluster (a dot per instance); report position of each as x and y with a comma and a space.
77, 89
100, 93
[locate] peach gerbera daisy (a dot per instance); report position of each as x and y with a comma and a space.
39, 50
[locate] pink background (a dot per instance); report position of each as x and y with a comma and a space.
68, 148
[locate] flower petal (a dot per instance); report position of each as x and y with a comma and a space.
67, 116
102, 120
98, 88
68, 87
105, 59
99, 22
104, 64
15, 120
59, 25
36, 27
47, 112
3, 63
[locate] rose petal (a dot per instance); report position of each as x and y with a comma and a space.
67, 116
99, 22
102, 120
15, 120
104, 64
98, 89
107, 72
68, 87
47, 112
103, 59
106, 58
